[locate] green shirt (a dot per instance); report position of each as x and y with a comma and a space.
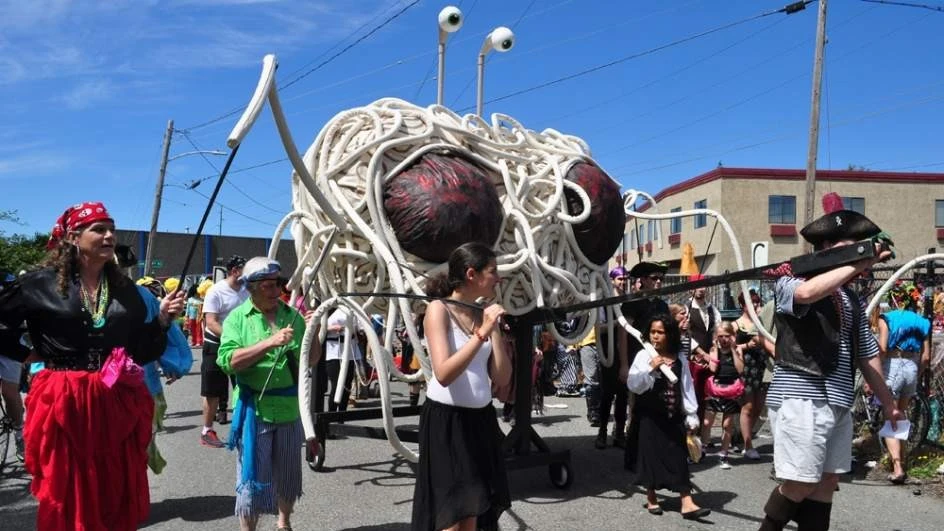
245, 326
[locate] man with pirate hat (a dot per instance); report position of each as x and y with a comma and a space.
823, 336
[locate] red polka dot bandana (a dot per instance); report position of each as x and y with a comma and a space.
77, 216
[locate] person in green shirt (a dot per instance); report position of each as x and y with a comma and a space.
260, 345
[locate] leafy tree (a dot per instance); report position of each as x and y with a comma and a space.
19, 251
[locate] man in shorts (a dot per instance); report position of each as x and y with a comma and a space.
823, 335
221, 299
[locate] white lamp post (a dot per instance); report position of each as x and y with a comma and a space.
501, 39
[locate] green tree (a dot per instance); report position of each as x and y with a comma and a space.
19, 251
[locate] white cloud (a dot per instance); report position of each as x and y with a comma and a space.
26, 165
88, 93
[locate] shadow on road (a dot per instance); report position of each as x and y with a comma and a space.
194, 509
393, 526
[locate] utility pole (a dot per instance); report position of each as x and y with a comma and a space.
814, 113
157, 198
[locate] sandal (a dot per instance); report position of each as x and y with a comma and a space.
898, 480
655, 511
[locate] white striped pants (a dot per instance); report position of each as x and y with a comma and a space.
278, 464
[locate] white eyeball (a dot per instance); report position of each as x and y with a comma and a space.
502, 38
450, 19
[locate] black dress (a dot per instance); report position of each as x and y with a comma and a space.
656, 452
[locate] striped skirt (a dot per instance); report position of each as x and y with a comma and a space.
278, 466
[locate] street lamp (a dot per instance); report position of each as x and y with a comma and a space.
501, 39
450, 20
160, 191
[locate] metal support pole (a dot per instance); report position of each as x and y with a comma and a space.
157, 198
440, 78
480, 87
814, 113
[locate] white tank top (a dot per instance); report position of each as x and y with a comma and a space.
472, 388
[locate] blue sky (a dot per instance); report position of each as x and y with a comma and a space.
87, 89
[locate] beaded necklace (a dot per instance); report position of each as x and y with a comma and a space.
96, 307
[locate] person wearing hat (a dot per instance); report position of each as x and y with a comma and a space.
650, 275
221, 299
612, 387
823, 334
175, 362
87, 429
260, 345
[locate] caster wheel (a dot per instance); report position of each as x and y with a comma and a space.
561, 476
316, 462
373, 389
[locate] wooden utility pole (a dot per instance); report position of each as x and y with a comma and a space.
814, 113
157, 198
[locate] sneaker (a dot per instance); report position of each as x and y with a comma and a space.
210, 439
724, 462
20, 445
752, 454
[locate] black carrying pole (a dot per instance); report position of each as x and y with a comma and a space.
206, 214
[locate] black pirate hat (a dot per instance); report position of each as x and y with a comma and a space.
838, 224
644, 269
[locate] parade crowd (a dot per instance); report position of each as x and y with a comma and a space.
99, 349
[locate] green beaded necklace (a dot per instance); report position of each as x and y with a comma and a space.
96, 307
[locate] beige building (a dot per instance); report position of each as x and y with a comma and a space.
765, 208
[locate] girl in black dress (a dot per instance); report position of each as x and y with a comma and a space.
662, 411
726, 362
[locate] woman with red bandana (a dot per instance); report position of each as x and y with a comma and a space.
89, 413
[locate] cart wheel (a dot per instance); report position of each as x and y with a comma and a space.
373, 389
316, 462
561, 477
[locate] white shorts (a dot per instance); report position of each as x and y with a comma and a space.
811, 438
10, 370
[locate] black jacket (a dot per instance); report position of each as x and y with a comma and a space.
811, 343
61, 329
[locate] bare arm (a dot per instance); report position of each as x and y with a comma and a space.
213, 324
738, 353
872, 372
882, 338
822, 285
925, 362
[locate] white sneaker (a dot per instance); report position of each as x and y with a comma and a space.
725, 465
752, 454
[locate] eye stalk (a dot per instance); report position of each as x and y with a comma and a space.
501, 39
450, 20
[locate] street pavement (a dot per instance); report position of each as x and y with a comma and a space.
365, 486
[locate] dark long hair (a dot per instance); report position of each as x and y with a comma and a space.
673, 336
64, 259
473, 254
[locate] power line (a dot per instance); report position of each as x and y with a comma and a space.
233, 210
197, 182
787, 9
230, 182
237, 110
906, 4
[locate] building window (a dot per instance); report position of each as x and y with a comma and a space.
632, 239
650, 231
856, 204
676, 226
939, 213
781, 209
701, 219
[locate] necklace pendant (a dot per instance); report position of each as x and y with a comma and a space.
98, 321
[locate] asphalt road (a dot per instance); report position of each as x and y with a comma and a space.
367, 487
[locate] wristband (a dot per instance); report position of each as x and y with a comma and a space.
481, 338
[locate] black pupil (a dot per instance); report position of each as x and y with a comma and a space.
453, 18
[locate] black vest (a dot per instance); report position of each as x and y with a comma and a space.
701, 331
811, 343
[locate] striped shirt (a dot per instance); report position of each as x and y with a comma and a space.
837, 388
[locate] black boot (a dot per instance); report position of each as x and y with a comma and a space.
813, 515
414, 399
779, 511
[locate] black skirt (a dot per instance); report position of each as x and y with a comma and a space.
461, 471
656, 452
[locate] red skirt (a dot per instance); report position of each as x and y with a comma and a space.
86, 448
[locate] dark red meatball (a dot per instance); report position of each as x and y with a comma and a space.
441, 202
600, 235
